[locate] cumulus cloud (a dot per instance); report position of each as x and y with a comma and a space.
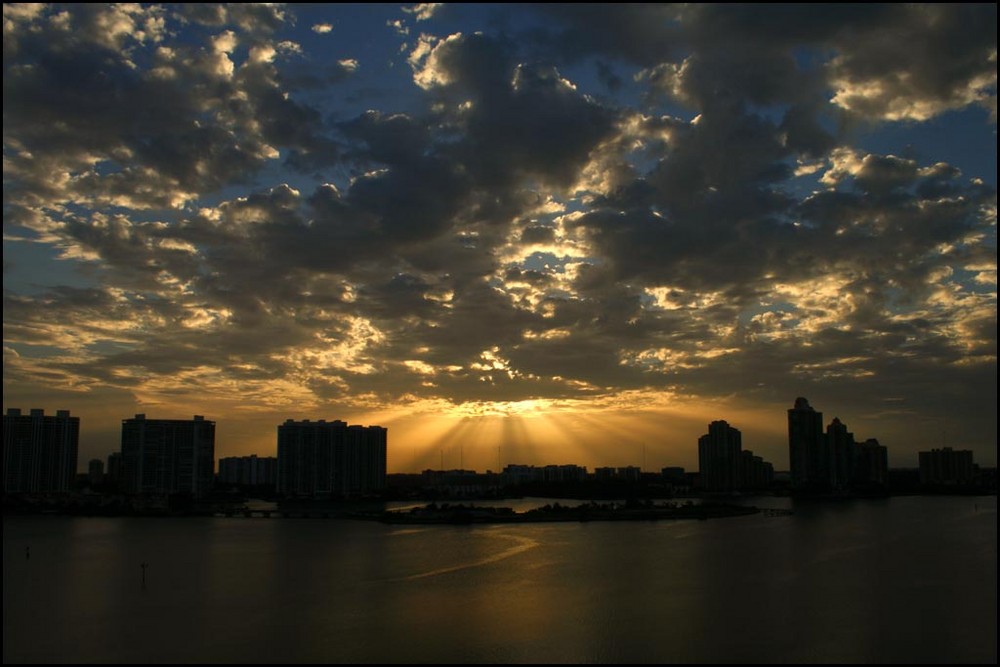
424, 11
502, 235
926, 60
190, 122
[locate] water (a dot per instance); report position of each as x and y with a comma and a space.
909, 579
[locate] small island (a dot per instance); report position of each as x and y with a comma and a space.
593, 511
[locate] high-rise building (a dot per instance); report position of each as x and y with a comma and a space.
168, 456
39, 452
249, 470
871, 466
719, 457
808, 450
947, 466
840, 443
755, 472
330, 459
114, 469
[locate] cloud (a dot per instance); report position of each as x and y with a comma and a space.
191, 122
322, 28
495, 233
424, 11
927, 60
258, 19
646, 34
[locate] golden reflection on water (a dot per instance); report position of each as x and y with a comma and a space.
521, 544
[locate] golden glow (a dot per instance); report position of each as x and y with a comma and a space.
641, 428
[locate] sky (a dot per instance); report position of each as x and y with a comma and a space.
508, 233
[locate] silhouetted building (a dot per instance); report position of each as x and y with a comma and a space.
564, 473
808, 451
515, 474
458, 483
871, 466
629, 473
168, 456
95, 472
719, 457
250, 470
620, 474
725, 467
675, 479
840, 444
39, 452
673, 475
754, 472
947, 467
327, 459
605, 474
114, 469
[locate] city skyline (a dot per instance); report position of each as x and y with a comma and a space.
812, 454
506, 233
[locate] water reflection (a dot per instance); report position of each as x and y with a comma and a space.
898, 580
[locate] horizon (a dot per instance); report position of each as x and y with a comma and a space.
550, 233
500, 452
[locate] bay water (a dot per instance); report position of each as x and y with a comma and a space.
903, 579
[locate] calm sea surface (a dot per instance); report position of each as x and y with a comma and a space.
908, 579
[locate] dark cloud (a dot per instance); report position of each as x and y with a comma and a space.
390, 139
538, 234
503, 235
646, 34
516, 118
190, 120
921, 61
606, 74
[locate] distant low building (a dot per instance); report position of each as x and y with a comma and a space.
39, 451
564, 473
605, 474
515, 474
673, 474
619, 474
458, 483
629, 473
95, 472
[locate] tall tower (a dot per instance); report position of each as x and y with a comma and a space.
808, 451
39, 451
167, 456
843, 451
324, 459
719, 457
